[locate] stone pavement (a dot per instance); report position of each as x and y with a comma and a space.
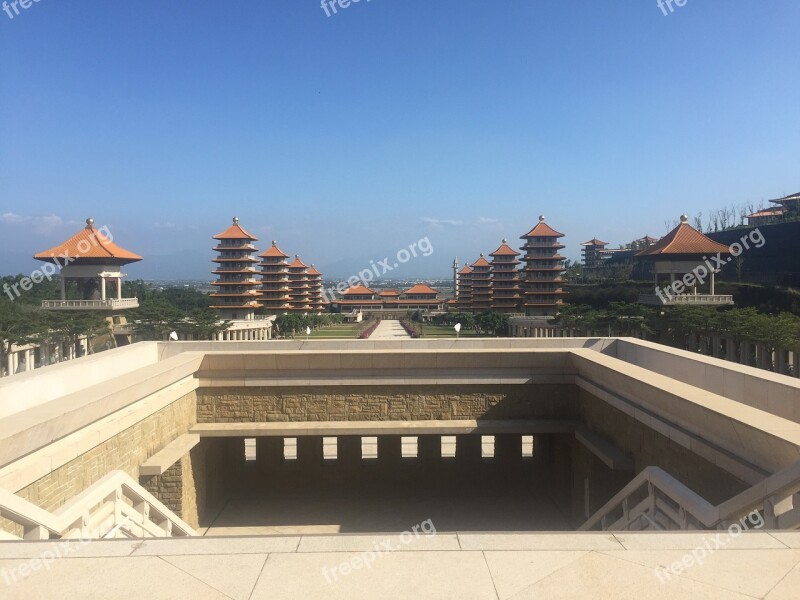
389, 330
460, 566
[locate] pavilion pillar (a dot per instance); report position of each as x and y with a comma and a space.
795, 362
713, 283
119, 288
102, 288
780, 360
63, 286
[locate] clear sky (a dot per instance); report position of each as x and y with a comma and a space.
349, 137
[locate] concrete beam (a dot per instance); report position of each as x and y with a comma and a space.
169, 455
614, 458
372, 428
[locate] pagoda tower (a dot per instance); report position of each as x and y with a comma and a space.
314, 279
481, 285
544, 268
505, 279
237, 295
92, 261
275, 280
464, 288
299, 290
593, 253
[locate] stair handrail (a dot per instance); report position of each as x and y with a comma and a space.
74, 517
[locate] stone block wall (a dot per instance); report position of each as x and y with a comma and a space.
385, 403
125, 451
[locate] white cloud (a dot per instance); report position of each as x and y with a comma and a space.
488, 221
441, 222
39, 223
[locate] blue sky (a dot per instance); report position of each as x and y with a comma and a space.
349, 137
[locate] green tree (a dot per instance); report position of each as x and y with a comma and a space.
19, 324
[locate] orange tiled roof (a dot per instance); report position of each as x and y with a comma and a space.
648, 239
385, 293
768, 212
684, 239
542, 229
274, 251
594, 242
421, 288
481, 262
88, 243
313, 271
358, 290
466, 270
297, 263
234, 232
504, 250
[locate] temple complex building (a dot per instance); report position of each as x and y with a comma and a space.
299, 294
314, 281
390, 303
593, 253
237, 295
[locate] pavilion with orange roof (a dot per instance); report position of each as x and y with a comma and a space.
681, 262
237, 295
92, 261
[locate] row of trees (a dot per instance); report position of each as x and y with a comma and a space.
290, 324
24, 323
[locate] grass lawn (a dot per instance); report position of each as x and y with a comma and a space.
447, 331
346, 330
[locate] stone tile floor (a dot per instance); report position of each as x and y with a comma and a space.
446, 565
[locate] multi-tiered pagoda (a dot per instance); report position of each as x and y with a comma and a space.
314, 280
275, 280
237, 292
505, 278
464, 288
544, 267
299, 290
481, 284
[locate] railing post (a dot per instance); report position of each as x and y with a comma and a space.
35, 532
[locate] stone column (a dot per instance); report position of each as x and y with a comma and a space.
468, 449
390, 449
309, 450
102, 288
508, 447
429, 448
348, 451
269, 453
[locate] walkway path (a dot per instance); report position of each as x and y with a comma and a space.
389, 330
